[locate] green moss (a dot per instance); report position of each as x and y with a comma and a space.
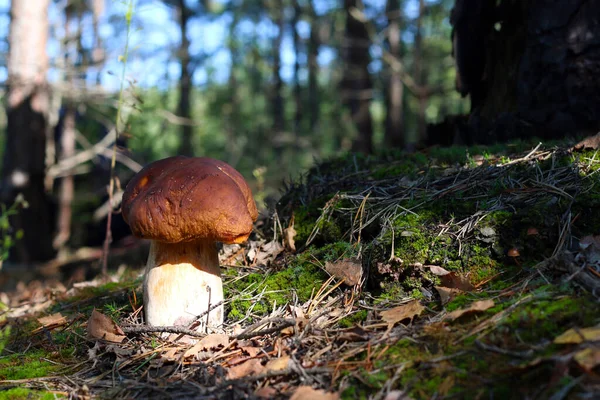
27, 394
353, 319
32, 364
300, 279
551, 316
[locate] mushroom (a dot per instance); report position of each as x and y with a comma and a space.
184, 205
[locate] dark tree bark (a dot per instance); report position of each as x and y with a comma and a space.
277, 95
184, 107
538, 71
394, 88
313, 68
27, 107
356, 85
419, 75
297, 85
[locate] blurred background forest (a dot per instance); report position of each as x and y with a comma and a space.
262, 85
268, 86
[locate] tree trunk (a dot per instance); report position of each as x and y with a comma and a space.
394, 88
66, 132
419, 75
27, 106
537, 68
357, 87
277, 96
297, 86
313, 69
184, 107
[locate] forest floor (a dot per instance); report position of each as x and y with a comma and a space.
452, 273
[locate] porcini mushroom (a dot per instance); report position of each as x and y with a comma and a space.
184, 205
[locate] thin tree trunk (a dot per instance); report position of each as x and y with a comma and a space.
66, 189
27, 106
357, 87
313, 69
185, 82
394, 122
277, 96
297, 86
419, 75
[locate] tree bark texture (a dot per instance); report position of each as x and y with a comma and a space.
538, 64
184, 107
394, 88
27, 107
277, 95
357, 86
313, 68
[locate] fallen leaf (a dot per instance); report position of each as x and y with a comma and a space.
397, 395
354, 334
455, 281
308, 393
436, 270
347, 269
51, 322
477, 306
251, 351
590, 142
288, 236
400, 313
447, 294
100, 326
588, 358
207, 343
575, 336
267, 253
278, 364
249, 368
266, 392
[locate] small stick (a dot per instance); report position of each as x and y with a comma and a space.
167, 329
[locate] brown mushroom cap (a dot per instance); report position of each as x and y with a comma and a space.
187, 198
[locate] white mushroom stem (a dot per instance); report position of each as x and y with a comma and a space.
182, 281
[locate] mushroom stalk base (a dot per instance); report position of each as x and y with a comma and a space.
182, 281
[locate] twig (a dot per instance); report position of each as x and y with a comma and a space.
271, 374
281, 323
161, 329
495, 349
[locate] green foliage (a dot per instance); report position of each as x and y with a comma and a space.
28, 394
32, 364
7, 240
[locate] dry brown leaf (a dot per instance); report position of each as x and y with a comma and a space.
288, 236
590, 142
397, 395
249, 368
400, 313
308, 393
477, 306
169, 355
588, 358
51, 322
447, 294
575, 336
266, 392
278, 364
437, 270
267, 253
207, 343
251, 351
347, 269
100, 326
455, 281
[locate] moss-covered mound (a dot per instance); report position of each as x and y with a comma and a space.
455, 273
